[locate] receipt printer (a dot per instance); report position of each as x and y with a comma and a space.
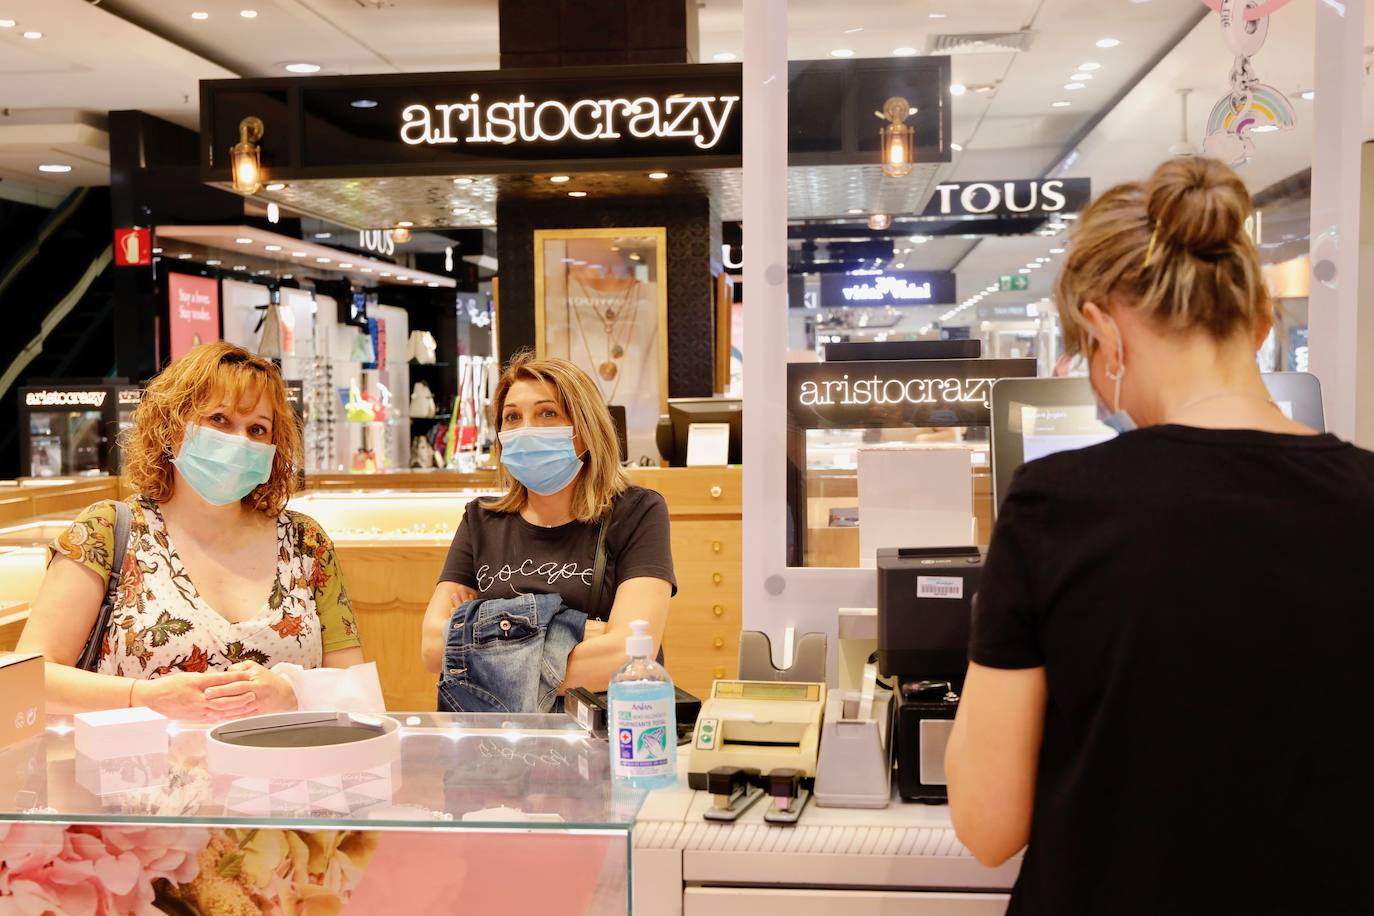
925, 610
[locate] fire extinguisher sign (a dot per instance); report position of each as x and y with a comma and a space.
133, 247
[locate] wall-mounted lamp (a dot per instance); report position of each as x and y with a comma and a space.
246, 157
897, 136
400, 235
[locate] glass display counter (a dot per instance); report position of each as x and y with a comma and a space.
500, 814
387, 515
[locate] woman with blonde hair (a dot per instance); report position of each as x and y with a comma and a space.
1169, 662
219, 580
564, 491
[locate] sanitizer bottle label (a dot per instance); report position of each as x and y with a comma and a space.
640, 732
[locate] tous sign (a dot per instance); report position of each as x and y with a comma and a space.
975, 198
701, 118
378, 240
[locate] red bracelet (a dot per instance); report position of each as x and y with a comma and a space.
132, 682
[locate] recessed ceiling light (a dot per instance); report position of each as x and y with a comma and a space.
724, 56
302, 68
243, 241
1081, 76
275, 186
324, 235
1056, 251
1024, 270
417, 280
462, 181
935, 15
54, 167
904, 51
1108, 42
1090, 66
1073, 86
1309, 95
364, 103
288, 276
957, 89
842, 52
214, 262
298, 254
200, 14
7, 23
459, 211
322, 260
273, 247
345, 265
404, 224
249, 14
183, 257
853, 30
957, 147
366, 270
33, 36
658, 176
577, 193
239, 267
1060, 104
559, 179
432, 284
385, 273
854, 211
487, 221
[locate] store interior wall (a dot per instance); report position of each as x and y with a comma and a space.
690, 311
1364, 362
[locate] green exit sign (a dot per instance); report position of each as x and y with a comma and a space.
1014, 283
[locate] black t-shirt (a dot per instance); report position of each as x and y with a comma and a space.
501, 555
1200, 600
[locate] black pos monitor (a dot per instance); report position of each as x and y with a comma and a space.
683, 412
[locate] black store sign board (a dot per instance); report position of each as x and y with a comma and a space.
897, 393
892, 287
1038, 196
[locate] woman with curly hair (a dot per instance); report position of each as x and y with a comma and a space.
219, 581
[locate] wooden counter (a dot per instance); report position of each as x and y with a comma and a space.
20, 503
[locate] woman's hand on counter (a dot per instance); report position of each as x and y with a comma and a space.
264, 691
187, 697
434, 630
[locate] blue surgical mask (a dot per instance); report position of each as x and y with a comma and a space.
1115, 417
541, 457
223, 468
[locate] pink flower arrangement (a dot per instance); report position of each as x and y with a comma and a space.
101, 870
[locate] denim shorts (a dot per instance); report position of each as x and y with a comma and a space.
508, 654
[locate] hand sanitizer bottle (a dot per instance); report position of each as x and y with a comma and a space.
643, 717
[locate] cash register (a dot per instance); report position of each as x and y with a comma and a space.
925, 602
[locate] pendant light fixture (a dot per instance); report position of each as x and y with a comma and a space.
246, 157
897, 137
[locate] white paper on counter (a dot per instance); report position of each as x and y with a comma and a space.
914, 497
708, 444
355, 689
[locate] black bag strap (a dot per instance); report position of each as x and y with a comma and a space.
599, 566
90, 653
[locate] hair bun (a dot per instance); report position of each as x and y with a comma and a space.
1197, 203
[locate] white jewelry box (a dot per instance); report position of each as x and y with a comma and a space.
121, 733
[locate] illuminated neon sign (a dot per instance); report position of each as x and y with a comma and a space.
909, 287
65, 398
700, 118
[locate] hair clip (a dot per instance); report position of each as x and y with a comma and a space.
1150, 252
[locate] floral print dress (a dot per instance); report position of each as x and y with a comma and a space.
160, 624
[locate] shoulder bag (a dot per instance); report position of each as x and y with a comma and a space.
89, 659
599, 566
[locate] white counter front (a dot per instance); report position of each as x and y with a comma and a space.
901, 859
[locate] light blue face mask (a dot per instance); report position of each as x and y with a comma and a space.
541, 457
223, 468
1115, 417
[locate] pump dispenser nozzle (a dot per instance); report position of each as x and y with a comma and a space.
639, 644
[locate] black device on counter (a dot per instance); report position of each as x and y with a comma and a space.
589, 709
925, 611
673, 428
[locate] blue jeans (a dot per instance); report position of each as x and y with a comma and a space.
508, 654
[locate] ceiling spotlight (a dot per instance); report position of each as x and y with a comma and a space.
577, 193
275, 186
920, 239
385, 273
249, 14
201, 15
957, 147
459, 211
431, 284
364, 103
854, 211
658, 176
724, 56
302, 68
7, 23
1079, 77
298, 254
288, 276
935, 15
559, 179
462, 181
1308, 96
33, 36
273, 247
214, 262
405, 224
1060, 104
1056, 251
1108, 42
1090, 66
1073, 86
243, 241
879, 221
55, 168
345, 265
842, 52
487, 221
322, 260
1024, 270
239, 267
957, 89
183, 257
366, 270
904, 51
